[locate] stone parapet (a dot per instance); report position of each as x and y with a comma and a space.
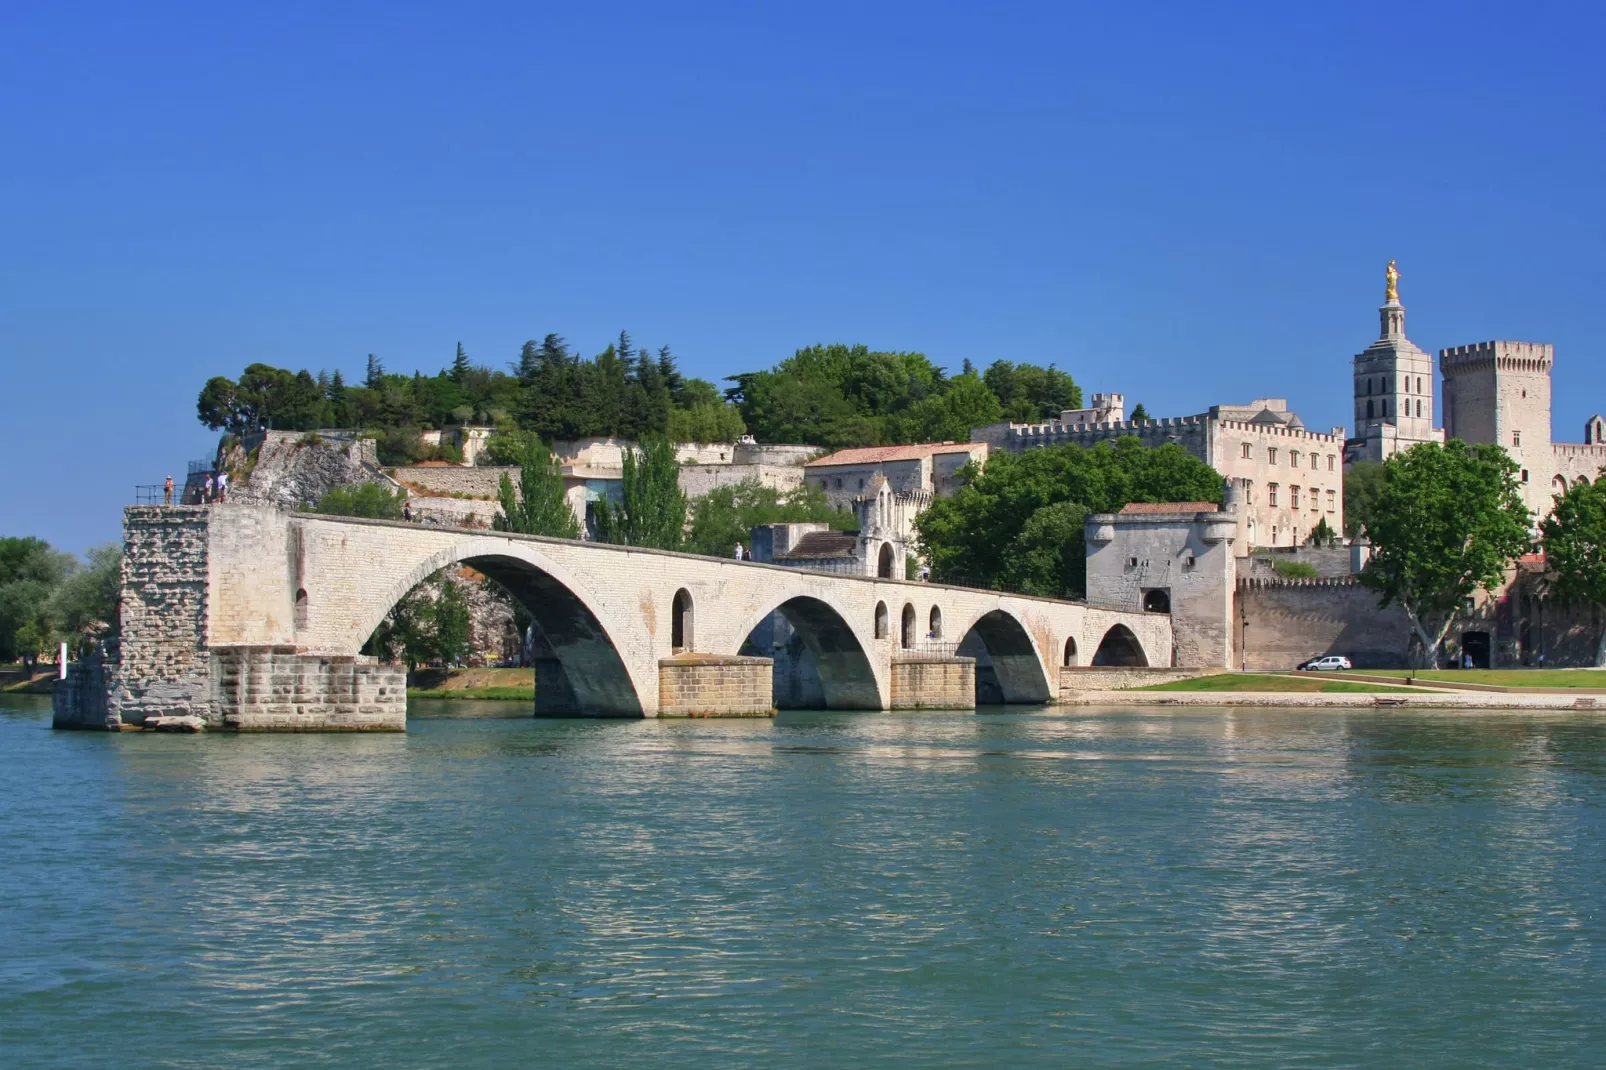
933, 682
715, 685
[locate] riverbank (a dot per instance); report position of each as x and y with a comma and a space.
493, 684
1394, 699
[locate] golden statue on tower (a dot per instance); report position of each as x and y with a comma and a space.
1393, 276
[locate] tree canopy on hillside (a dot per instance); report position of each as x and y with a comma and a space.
1016, 525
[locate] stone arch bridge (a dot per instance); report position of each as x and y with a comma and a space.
252, 617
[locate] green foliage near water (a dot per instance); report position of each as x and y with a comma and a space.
652, 507
1447, 522
1574, 537
726, 515
425, 626
48, 597
372, 500
1017, 524
539, 507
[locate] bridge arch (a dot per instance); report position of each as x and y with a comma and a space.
1120, 647
1009, 667
820, 658
580, 671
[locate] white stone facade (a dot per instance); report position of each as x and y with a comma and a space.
1393, 392
1291, 478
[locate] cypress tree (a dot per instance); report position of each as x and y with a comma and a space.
459, 365
652, 510
540, 507
376, 373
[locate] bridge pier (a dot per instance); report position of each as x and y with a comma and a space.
715, 685
933, 682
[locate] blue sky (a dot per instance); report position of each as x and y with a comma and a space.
1190, 203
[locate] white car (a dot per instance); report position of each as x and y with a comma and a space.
1331, 663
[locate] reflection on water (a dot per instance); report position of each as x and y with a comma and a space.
1167, 886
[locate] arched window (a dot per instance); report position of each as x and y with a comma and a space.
1559, 485
1368, 410
301, 608
935, 621
883, 566
881, 624
908, 636
1070, 651
1419, 384
1157, 600
680, 626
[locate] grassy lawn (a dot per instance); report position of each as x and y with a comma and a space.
1503, 677
1238, 681
515, 684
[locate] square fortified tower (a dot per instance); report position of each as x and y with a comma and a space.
1499, 393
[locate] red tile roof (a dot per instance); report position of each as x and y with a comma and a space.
1170, 507
877, 454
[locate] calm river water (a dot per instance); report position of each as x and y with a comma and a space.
1196, 887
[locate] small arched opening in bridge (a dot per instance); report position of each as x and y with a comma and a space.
819, 663
576, 669
934, 632
883, 566
1008, 668
1157, 600
1120, 647
302, 614
883, 627
681, 620
1070, 652
907, 636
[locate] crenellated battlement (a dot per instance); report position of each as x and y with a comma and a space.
1505, 356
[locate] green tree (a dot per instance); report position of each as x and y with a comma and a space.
84, 606
540, 506
1007, 526
726, 515
652, 508
1323, 534
31, 571
406, 634
460, 365
1363, 484
1574, 538
1140, 415
950, 416
373, 500
1029, 393
1448, 521
449, 622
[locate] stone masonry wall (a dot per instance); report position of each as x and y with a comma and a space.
709, 685
1078, 678
165, 666
447, 480
932, 682
1292, 621
274, 688
698, 479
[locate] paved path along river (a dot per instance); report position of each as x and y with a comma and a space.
1183, 886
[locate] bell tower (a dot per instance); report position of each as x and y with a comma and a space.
1393, 383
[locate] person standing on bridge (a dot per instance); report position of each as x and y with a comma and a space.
167, 491
222, 485
738, 555
206, 489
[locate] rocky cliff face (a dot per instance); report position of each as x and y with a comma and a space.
293, 468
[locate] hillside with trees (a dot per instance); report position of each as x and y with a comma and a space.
828, 395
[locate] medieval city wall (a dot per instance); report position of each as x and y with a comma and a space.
1281, 623
698, 479
450, 480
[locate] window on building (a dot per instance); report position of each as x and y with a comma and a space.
837, 483
1247, 450
1271, 495
1271, 454
1293, 458
1330, 462
861, 483
1525, 475
1293, 497
1419, 384
1516, 438
1368, 410
1419, 410
1249, 491
1332, 497
1314, 461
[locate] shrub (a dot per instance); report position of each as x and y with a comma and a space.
1294, 570
372, 500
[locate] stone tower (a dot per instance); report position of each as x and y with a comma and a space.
1499, 392
1393, 390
